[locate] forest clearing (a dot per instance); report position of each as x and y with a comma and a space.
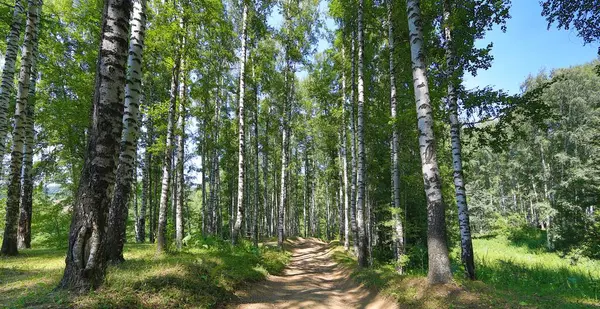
300, 154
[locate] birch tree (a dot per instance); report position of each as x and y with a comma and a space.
241, 133
362, 253
398, 228
8, 72
161, 236
344, 158
180, 158
466, 244
353, 155
9, 242
117, 216
439, 263
86, 258
26, 198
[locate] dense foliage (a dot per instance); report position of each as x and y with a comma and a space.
257, 121
548, 176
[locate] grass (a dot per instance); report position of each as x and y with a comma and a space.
512, 274
203, 276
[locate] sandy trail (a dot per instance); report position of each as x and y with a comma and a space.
311, 280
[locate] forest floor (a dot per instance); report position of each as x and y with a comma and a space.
311, 280
512, 273
204, 275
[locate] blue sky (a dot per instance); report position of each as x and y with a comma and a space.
528, 47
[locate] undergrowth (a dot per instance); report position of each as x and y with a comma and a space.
203, 275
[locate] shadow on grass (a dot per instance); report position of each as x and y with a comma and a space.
196, 278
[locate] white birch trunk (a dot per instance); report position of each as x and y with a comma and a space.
361, 165
344, 158
9, 241
459, 185
439, 263
161, 241
398, 228
86, 258
117, 216
26, 198
180, 156
8, 73
241, 132
354, 160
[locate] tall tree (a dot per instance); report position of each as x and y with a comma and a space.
117, 215
344, 156
353, 155
180, 156
161, 237
439, 263
86, 258
140, 235
255, 214
9, 242
26, 198
285, 141
459, 184
362, 253
241, 133
398, 228
8, 72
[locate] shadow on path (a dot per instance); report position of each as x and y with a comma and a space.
311, 280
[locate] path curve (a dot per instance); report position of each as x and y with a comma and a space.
311, 280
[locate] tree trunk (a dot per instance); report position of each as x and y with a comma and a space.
86, 259
344, 158
117, 215
398, 228
161, 237
241, 133
180, 157
353, 152
140, 236
466, 244
439, 263
306, 177
26, 198
8, 72
213, 208
361, 181
204, 167
284, 160
268, 216
152, 184
256, 173
9, 242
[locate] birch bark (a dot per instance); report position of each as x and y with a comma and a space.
117, 216
439, 263
466, 243
86, 258
13, 195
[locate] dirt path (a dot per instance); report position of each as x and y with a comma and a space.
311, 280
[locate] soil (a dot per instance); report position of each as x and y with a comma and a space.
311, 280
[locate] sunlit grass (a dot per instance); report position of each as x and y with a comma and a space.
536, 275
201, 276
511, 275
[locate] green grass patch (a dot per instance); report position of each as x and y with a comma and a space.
512, 273
202, 276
